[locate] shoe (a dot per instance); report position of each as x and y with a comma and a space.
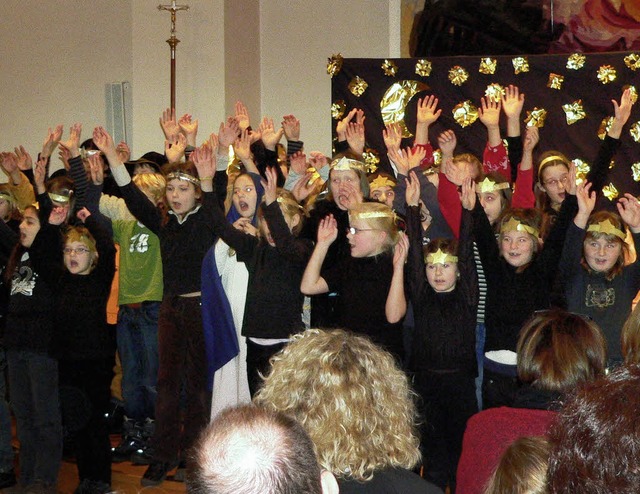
181, 472
131, 442
7, 479
156, 473
143, 455
88, 486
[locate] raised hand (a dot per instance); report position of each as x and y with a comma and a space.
204, 158
622, 112
392, 136
51, 141
318, 160
512, 102
96, 169
83, 214
244, 225
270, 136
123, 151
291, 127
401, 251
298, 162
350, 195
168, 123
531, 139
355, 137
24, 158
412, 194
415, 156
174, 148
629, 209
572, 180
242, 116
242, 147
65, 156
228, 133
39, 174
189, 128
327, 230
304, 187
427, 110
9, 163
73, 142
104, 141
341, 126
270, 186
468, 196
447, 142
489, 112
401, 159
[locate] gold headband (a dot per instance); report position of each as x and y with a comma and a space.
548, 159
366, 215
183, 176
344, 164
59, 197
488, 185
381, 181
290, 202
607, 228
513, 225
440, 257
6, 196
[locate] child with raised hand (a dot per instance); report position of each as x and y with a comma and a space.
519, 273
370, 281
185, 237
85, 348
275, 261
442, 358
32, 271
593, 274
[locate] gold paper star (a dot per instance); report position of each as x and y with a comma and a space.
494, 92
458, 76
536, 117
520, 64
389, 68
633, 91
574, 111
610, 192
334, 64
423, 67
437, 157
635, 131
605, 126
607, 74
441, 257
465, 113
338, 109
582, 169
635, 169
576, 61
358, 86
632, 61
371, 159
487, 65
612, 163
555, 81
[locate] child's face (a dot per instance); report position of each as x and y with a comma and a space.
491, 202
516, 248
554, 182
341, 182
78, 258
29, 227
601, 254
181, 196
364, 240
245, 196
384, 194
442, 277
59, 213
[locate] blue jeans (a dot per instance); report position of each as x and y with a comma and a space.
137, 332
33, 380
6, 451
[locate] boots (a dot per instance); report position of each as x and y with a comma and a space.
144, 454
132, 440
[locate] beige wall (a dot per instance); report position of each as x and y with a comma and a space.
58, 56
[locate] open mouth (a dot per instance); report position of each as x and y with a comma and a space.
243, 206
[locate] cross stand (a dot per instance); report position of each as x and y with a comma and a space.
173, 42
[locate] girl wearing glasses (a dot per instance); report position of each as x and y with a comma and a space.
85, 348
370, 281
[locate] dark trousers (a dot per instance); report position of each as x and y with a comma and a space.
182, 369
85, 394
447, 401
258, 357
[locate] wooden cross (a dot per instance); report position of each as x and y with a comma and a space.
173, 42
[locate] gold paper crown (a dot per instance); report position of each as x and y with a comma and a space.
488, 185
381, 181
345, 163
62, 199
375, 214
440, 257
289, 201
183, 176
6, 196
513, 225
607, 228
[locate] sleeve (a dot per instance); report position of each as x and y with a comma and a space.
466, 262
495, 159
106, 266
80, 180
114, 208
571, 253
8, 239
415, 260
599, 171
92, 203
141, 207
449, 201
298, 250
514, 151
23, 192
552, 248
293, 147
428, 160
487, 245
523, 196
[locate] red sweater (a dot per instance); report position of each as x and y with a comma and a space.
488, 435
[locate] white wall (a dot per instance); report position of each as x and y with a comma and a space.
58, 56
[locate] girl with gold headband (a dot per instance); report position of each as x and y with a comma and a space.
369, 281
519, 274
442, 359
553, 170
593, 275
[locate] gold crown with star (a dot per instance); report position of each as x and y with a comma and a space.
513, 225
345, 164
440, 257
607, 228
488, 185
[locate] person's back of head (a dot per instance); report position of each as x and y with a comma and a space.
595, 443
251, 450
522, 468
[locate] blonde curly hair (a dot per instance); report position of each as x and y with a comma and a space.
351, 397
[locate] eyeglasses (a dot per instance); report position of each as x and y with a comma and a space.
352, 230
555, 183
76, 251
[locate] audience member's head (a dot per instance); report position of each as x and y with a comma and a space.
522, 468
558, 351
251, 450
630, 338
351, 397
595, 443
